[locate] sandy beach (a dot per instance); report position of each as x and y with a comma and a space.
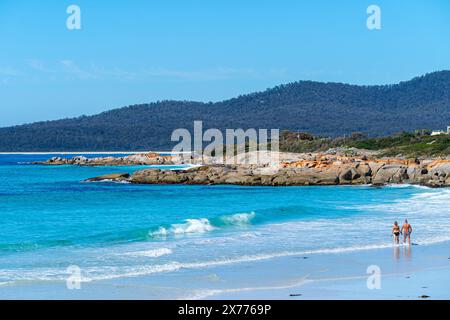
416, 272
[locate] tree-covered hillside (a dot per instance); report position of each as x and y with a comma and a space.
326, 109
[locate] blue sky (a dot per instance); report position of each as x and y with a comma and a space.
130, 52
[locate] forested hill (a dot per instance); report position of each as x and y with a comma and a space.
327, 109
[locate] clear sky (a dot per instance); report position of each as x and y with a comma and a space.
130, 52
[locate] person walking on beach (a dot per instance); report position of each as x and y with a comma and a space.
406, 230
396, 232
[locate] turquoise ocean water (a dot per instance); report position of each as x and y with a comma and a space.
50, 219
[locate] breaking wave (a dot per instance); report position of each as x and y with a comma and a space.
202, 225
238, 219
190, 226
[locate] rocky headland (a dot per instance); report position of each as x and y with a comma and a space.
135, 159
332, 168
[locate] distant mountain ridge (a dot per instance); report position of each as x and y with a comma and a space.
328, 109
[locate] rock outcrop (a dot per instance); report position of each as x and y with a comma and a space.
332, 168
136, 159
436, 174
110, 177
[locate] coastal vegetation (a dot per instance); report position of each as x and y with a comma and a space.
404, 144
408, 145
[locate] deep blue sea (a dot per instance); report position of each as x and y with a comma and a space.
50, 219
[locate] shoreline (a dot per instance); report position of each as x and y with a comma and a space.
417, 272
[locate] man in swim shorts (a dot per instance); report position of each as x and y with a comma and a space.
406, 230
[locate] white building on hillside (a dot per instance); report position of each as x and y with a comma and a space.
439, 132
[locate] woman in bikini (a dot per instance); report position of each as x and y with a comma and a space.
396, 233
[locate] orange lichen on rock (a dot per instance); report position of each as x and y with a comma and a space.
435, 163
326, 161
323, 161
154, 155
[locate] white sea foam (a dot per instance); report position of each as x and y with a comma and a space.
190, 226
407, 185
154, 253
109, 181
